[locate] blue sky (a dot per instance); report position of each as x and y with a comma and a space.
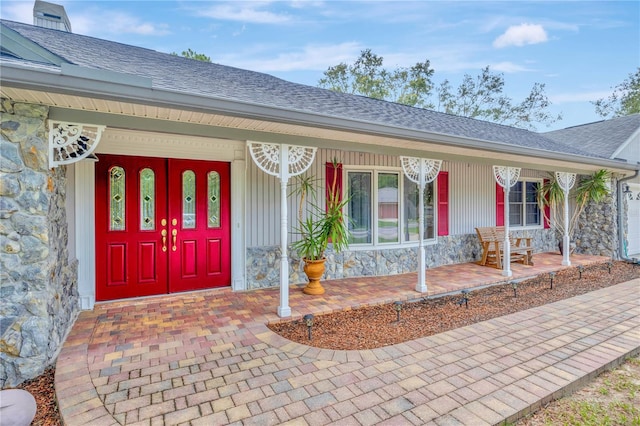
579, 49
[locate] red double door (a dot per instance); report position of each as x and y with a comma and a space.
162, 226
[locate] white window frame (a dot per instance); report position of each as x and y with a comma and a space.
402, 243
523, 203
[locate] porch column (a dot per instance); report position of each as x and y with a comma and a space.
283, 161
566, 181
421, 171
506, 178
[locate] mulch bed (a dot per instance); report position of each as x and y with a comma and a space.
376, 326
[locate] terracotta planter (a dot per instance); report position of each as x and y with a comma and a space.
314, 270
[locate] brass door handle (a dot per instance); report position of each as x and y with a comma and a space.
174, 233
164, 239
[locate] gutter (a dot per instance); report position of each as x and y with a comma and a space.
126, 88
623, 254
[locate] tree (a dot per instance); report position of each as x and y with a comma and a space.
483, 98
592, 188
625, 99
367, 77
193, 55
480, 97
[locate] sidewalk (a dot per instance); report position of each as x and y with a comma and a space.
207, 358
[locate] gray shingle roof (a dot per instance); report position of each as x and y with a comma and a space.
602, 138
174, 73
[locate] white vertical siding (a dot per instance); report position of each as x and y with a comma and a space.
472, 197
472, 194
263, 193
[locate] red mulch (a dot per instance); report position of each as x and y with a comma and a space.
375, 326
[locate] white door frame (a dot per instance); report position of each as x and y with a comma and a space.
127, 142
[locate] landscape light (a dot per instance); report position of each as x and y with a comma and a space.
398, 307
308, 319
551, 275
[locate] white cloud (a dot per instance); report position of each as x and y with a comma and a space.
19, 11
508, 67
312, 57
114, 22
519, 35
560, 98
244, 12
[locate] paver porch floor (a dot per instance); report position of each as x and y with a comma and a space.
208, 358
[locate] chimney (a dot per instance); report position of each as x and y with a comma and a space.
50, 15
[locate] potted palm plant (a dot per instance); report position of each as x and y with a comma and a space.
592, 188
320, 226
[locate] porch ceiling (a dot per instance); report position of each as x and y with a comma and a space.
152, 117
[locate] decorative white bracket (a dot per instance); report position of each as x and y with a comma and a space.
72, 142
421, 171
284, 161
566, 181
506, 178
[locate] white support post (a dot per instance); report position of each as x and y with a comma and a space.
283, 161
284, 310
566, 181
506, 178
421, 171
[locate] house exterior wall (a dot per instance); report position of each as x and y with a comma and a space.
596, 231
472, 203
38, 280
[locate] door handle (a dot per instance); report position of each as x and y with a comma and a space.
164, 239
174, 233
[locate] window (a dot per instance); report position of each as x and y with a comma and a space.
523, 204
383, 208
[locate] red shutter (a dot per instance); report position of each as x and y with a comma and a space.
499, 205
443, 203
547, 210
333, 176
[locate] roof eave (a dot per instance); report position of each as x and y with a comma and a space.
138, 90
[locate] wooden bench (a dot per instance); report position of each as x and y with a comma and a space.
492, 242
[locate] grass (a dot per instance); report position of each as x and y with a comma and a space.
613, 398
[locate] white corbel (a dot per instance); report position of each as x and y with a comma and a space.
72, 142
421, 171
283, 161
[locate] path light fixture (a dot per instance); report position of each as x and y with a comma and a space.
552, 274
397, 305
515, 288
609, 265
580, 270
308, 319
465, 298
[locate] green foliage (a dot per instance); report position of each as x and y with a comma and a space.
367, 76
481, 97
321, 226
625, 99
193, 55
593, 188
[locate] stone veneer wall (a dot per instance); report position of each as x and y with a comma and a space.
38, 284
263, 263
596, 231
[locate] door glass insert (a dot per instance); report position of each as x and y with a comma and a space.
116, 199
147, 200
213, 194
188, 200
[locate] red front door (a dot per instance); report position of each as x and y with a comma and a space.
162, 226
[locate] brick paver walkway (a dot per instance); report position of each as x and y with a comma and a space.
207, 358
